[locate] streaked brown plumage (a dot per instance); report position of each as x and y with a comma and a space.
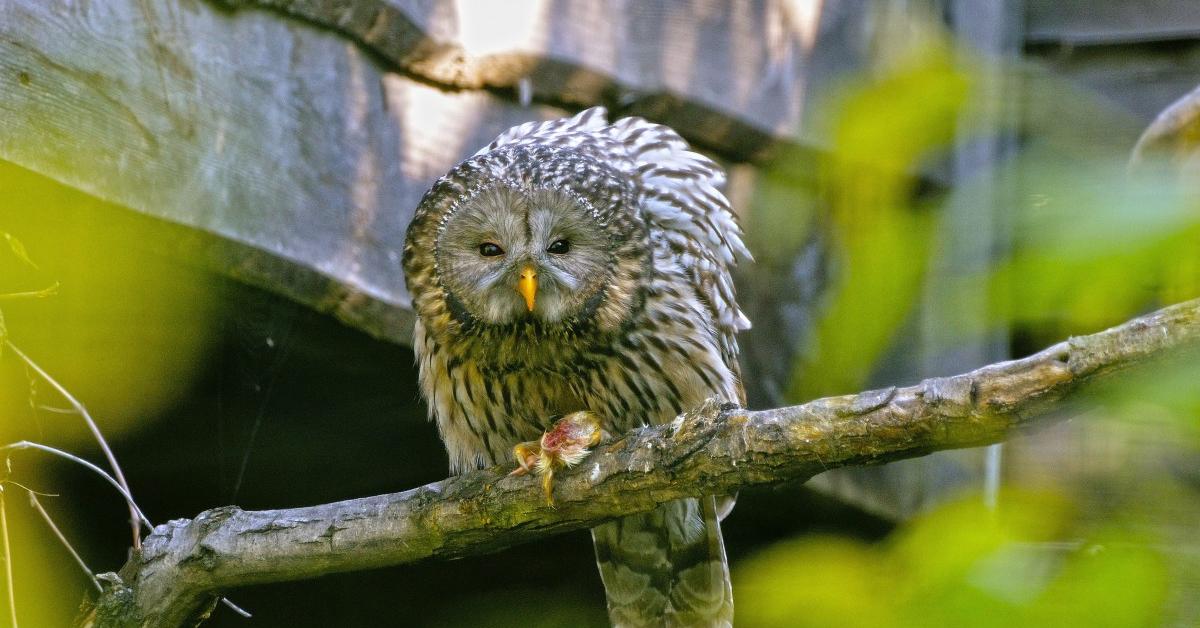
576, 265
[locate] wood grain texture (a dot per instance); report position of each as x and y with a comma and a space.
1140, 79
1098, 22
733, 77
708, 450
289, 150
289, 145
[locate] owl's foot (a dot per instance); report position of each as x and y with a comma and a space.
566, 443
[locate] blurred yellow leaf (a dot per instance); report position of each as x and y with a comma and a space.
47, 589
891, 124
814, 581
1118, 584
18, 249
126, 334
962, 564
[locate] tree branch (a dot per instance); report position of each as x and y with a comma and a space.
184, 563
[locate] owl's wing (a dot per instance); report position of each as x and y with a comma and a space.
681, 197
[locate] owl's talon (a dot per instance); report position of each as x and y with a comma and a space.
527, 455
567, 442
548, 487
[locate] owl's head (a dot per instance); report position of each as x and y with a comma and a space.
527, 234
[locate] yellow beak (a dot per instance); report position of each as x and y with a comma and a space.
527, 285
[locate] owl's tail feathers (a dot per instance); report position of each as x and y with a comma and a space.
666, 567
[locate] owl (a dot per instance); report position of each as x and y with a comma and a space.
581, 266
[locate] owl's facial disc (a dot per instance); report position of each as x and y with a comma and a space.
508, 255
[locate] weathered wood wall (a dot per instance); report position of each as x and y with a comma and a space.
732, 76
286, 148
1108, 22
296, 148
1140, 56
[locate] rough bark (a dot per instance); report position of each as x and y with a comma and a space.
712, 449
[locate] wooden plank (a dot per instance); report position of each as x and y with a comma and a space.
291, 154
1140, 79
733, 77
1082, 22
302, 156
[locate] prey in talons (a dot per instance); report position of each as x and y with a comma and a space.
566, 443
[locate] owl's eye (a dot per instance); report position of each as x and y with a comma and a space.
558, 247
490, 249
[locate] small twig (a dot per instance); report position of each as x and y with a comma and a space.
55, 410
26, 488
134, 511
237, 609
137, 512
37, 505
8, 570
35, 294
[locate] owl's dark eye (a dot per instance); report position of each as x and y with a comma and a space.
490, 249
558, 247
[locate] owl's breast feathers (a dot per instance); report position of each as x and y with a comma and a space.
491, 387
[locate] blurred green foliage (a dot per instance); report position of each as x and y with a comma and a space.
18, 249
125, 335
961, 565
1095, 243
124, 330
1086, 241
881, 241
37, 562
27, 549
1083, 241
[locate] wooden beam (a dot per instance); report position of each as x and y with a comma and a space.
1100, 22
733, 77
289, 156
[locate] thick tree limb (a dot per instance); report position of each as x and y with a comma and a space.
710, 450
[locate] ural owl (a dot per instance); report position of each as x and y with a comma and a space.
577, 265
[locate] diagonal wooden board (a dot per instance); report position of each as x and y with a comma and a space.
732, 76
295, 153
1106, 22
292, 158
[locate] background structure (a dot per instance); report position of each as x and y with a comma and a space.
221, 190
